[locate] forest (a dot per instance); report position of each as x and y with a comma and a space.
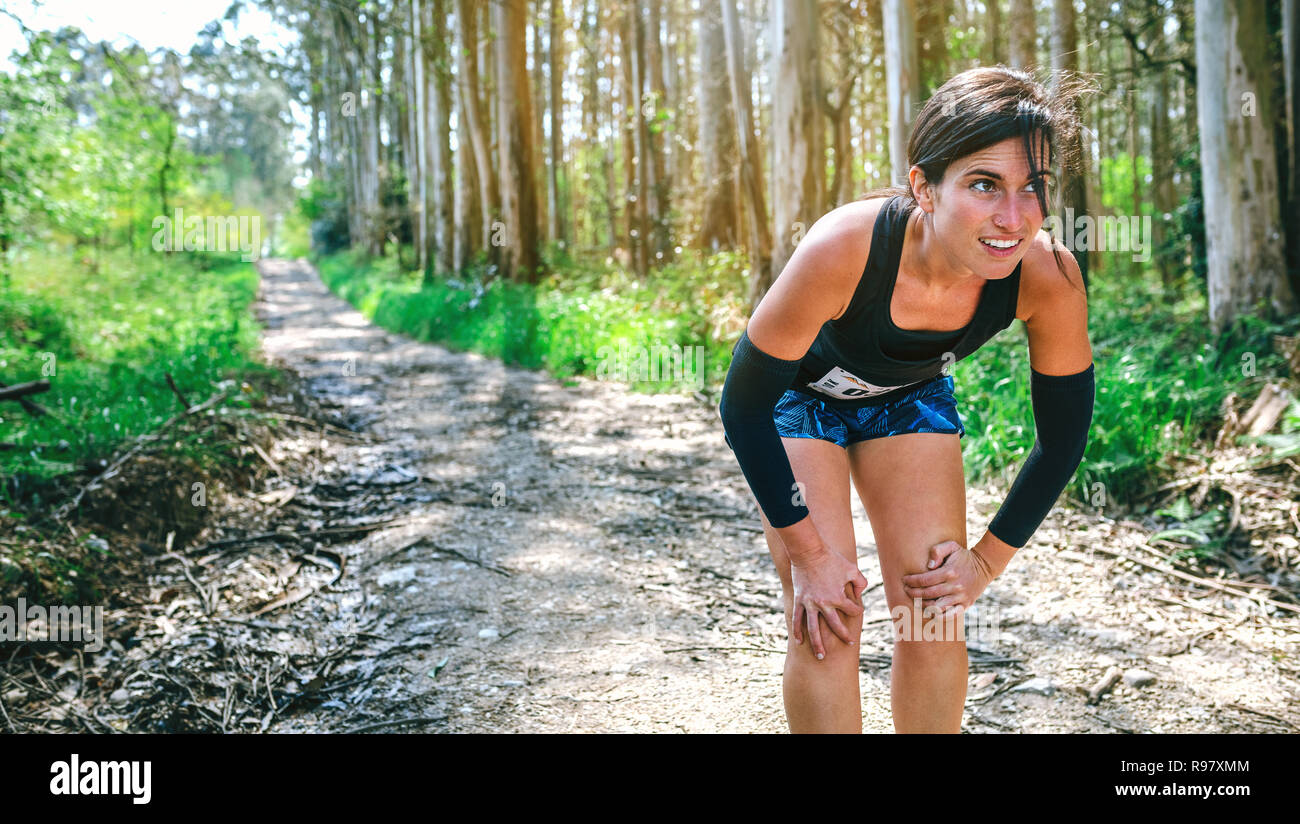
335, 326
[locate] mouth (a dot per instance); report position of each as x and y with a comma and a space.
1000, 247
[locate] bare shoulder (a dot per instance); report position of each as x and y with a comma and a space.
836, 248
817, 283
1041, 282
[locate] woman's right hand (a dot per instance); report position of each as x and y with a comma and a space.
825, 584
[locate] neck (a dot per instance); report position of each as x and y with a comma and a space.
929, 262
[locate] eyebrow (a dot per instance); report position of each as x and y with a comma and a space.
996, 176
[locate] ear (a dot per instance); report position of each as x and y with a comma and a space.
921, 190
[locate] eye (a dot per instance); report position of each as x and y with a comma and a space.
982, 180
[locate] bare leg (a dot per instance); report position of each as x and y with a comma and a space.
915, 495
820, 696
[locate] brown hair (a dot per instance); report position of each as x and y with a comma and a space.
983, 106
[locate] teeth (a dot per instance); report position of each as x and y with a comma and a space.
999, 244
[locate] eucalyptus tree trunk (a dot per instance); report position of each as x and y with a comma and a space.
1243, 227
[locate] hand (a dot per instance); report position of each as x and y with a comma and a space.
825, 585
956, 578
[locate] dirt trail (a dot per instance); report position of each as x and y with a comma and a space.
585, 558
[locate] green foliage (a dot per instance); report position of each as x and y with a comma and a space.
1161, 380
570, 324
104, 342
326, 208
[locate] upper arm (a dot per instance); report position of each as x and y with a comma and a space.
816, 284
1058, 321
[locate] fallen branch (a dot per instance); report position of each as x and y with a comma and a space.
31, 407
18, 390
1198, 580
475, 561
428, 719
184, 403
1277, 718
303, 594
1103, 686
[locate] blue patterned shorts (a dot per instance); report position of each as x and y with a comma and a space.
930, 407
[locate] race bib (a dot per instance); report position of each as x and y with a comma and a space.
840, 384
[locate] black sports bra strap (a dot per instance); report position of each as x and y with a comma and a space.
875, 272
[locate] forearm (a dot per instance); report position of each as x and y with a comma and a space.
996, 552
755, 381
1062, 415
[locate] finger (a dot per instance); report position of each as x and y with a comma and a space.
796, 623
954, 611
939, 552
930, 593
850, 607
925, 579
815, 634
945, 603
859, 586
837, 626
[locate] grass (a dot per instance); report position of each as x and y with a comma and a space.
1162, 377
577, 323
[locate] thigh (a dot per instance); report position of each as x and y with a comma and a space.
823, 469
914, 492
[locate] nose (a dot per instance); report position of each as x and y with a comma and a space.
1010, 217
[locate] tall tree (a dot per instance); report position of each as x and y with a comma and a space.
904, 81
554, 193
520, 258
1243, 225
657, 127
1291, 64
473, 136
800, 163
993, 50
1024, 34
751, 156
1065, 58
718, 224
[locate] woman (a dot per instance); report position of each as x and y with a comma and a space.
838, 376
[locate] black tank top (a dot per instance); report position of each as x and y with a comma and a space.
862, 359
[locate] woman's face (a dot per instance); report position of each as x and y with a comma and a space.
985, 201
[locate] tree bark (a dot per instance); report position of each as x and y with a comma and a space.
903, 81
444, 195
1074, 190
474, 123
751, 155
554, 193
1024, 34
1243, 228
1291, 68
993, 51
800, 165
717, 142
519, 214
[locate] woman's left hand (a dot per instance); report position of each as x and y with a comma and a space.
957, 576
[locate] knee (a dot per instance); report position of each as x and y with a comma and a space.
922, 631
838, 652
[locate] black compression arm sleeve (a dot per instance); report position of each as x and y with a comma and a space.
755, 382
1062, 414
